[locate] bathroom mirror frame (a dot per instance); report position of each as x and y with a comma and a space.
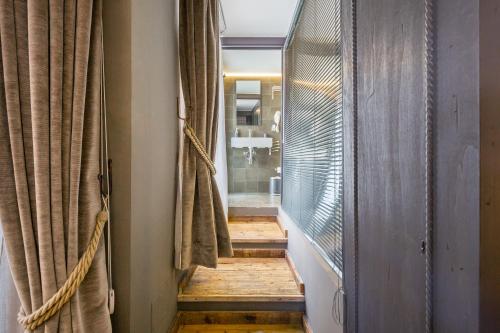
248, 104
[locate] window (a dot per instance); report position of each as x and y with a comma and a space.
313, 132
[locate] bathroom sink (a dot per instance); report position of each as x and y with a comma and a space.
251, 142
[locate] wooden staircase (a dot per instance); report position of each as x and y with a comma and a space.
258, 290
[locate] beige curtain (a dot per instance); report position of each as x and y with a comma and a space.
49, 154
205, 234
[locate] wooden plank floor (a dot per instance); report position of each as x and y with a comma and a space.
240, 328
256, 291
256, 230
243, 279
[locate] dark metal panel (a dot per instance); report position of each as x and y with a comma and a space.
391, 183
456, 163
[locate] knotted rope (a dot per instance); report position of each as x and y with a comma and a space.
189, 131
63, 295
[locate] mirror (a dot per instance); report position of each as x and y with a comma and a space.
248, 102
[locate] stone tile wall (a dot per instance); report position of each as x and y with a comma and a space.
242, 177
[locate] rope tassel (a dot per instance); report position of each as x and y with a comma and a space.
189, 131
64, 294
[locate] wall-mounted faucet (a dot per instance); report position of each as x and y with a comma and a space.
249, 155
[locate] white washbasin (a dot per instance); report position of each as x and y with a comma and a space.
251, 142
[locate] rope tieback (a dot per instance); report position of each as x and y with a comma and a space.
189, 131
64, 294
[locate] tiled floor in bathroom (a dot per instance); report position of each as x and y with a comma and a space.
253, 200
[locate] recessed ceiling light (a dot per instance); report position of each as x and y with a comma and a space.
236, 74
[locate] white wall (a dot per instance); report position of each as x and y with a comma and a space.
142, 85
154, 149
9, 301
320, 281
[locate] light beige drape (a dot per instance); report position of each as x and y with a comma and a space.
49, 154
205, 234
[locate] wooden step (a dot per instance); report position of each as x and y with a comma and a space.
257, 232
239, 322
250, 283
252, 211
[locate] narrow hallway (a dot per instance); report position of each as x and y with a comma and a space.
250, 166
258, 290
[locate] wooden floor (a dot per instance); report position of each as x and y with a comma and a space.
257, 232
258, 290
243, 279
254, 200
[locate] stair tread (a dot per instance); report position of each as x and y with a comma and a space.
244, 279
255, 231
260, 231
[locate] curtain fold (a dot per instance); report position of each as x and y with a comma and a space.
220, 151
50, 85
205, 234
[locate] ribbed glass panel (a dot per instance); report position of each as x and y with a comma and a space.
312, 138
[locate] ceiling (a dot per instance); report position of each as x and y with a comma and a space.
251, 62
258, 18
255, 18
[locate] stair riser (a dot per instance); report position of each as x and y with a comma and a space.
241, 306
253, 211
258, 253
260, 245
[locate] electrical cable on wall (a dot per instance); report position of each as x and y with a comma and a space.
105, 176
338, 305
